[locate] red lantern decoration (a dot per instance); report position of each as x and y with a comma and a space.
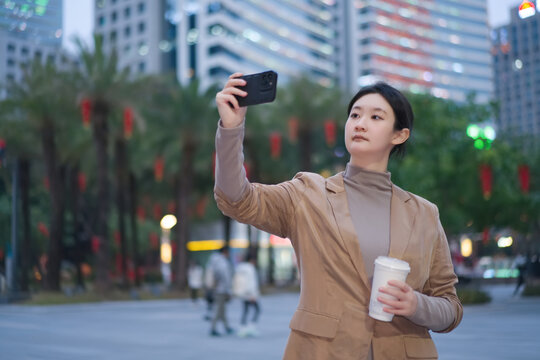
154, 240
157, 212
275, 145
200, 209
171, 207
86, 110
116, 236
2, 150
486, 177
158, 168
174, 247
95, 244
118, 263
42, 228
247, 169
524, 178
141, 214
330, 132
1, 254
81, 181
128, 122
485, 236
46, 183
293, 129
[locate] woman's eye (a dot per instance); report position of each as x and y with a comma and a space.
354, 116
376, 117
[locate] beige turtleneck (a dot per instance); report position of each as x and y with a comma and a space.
368, 193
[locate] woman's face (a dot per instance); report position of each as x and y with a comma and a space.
369, 131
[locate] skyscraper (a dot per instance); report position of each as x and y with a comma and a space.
38, 21
140, 31
516, 57
216, 38
440, 47
28, 29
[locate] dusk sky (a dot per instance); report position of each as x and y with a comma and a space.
79, 17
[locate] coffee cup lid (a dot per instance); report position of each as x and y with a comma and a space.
393, 263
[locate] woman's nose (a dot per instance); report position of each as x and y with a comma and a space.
360, 125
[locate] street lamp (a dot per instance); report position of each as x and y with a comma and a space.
166, 223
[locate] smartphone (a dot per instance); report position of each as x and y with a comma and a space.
260, 88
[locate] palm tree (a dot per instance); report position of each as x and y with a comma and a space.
106, 87
19, 142
39, 100
311, 108
184, 119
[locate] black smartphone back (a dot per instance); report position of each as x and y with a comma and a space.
260, 88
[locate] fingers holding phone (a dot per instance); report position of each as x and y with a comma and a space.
231, 113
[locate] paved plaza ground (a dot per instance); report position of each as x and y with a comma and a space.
507, 328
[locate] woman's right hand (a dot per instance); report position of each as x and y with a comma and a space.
230, 112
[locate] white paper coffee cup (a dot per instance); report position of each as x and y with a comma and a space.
386, 269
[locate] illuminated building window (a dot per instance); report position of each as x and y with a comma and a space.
101, 20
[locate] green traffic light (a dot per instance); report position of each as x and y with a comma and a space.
479, 144
473, 131
489, 132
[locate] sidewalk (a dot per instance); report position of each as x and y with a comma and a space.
507, 328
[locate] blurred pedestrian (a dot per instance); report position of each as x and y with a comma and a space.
520, 263
195, 280
209, 286
221, 272
246, 287
338, 227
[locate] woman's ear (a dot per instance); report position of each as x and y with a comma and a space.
400, 136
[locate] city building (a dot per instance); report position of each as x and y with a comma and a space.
140, 31
217, 38
516, 58
28, 30
439, 47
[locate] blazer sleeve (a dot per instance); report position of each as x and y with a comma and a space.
268, 207
442, 278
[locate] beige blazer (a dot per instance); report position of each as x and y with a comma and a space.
331, 321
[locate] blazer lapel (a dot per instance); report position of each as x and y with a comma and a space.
340, 206
402, 217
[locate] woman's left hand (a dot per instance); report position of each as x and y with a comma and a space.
406, 302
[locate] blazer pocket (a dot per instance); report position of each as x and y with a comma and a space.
314, 324
419, 348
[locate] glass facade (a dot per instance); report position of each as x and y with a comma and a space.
516, 58
290, 37
37, 20
440, 47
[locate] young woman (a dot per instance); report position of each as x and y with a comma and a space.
339, 226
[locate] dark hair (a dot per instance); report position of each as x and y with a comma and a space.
399, 104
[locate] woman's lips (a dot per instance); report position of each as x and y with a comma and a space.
359, 137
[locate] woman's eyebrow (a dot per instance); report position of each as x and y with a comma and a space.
372, 109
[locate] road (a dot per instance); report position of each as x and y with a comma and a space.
507, 328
